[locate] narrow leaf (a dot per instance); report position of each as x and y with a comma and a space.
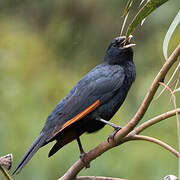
124, 22
142, 22
128, 6
169, 33
141, 3
147, 9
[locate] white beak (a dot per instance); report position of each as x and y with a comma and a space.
128, 45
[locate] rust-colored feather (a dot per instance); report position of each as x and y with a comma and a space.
75, 119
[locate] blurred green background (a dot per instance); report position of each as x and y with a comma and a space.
45, 48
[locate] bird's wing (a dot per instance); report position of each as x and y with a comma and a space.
95, 89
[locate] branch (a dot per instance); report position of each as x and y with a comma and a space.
97, 178
133, 134
155, 120
4, 172
104, 146
154, 140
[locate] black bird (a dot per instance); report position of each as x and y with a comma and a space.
91, 103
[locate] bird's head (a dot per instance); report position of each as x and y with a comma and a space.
120, 50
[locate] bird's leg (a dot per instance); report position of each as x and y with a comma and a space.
116, 128
82, 152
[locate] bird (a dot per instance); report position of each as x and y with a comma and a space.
91, 103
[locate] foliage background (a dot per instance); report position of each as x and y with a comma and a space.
45, 48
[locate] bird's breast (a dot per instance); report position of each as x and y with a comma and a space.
108, 109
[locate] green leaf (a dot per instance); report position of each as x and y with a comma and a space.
142, 1
169, 33
127, 8
124, 23
147, 9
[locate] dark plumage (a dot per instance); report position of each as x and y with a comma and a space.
97, 96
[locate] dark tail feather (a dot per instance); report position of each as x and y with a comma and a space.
55, 148
39, 141
63, 140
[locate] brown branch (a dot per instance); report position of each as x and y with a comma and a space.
104, 146
153, 140
97, 178
155, 120
167, 87
4, 172
133, 134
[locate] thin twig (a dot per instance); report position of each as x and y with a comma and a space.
4, 172
178, 66
97, 178
155, 120
167, 87
104, 146
133, 134
154, 140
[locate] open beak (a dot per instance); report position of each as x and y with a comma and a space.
129, 44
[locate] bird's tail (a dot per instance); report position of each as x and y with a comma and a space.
39, 142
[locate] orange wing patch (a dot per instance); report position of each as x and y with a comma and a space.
82, 114
79, 116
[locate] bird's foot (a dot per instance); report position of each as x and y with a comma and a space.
111, 136
116, 128
82, 157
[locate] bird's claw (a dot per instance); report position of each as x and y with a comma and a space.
111, 136
82, 157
